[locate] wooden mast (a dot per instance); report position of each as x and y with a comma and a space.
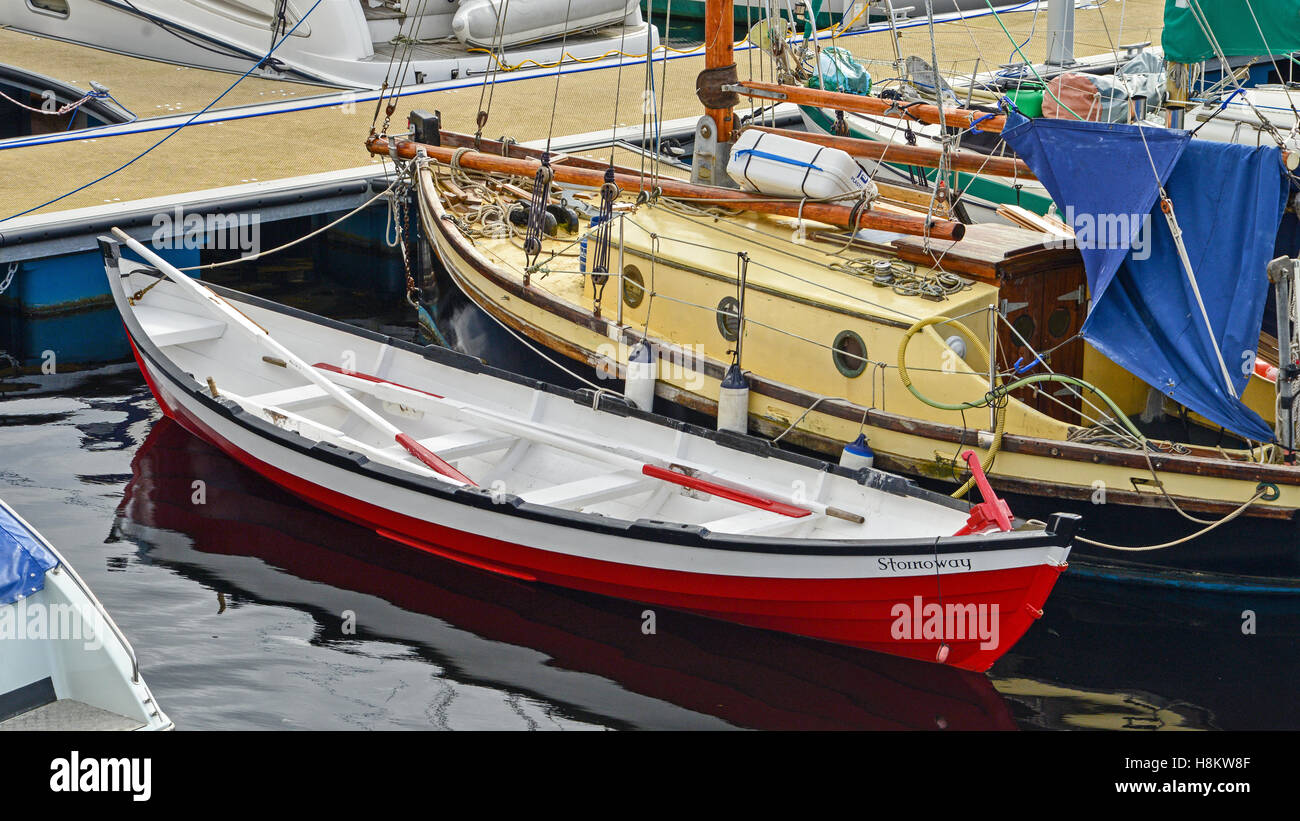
713, 131
718, 54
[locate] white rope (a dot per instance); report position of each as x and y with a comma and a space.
292, 243
1234, 514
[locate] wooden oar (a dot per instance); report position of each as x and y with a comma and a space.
233, 315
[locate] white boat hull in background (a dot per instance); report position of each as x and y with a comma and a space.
343, 43
1239, 123
476, 22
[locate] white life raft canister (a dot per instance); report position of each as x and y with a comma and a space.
642, 372
531, 21
785, 167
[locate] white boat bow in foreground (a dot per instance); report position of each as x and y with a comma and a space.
64, 664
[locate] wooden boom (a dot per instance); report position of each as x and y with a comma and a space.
629, 180
960, 160
840, 101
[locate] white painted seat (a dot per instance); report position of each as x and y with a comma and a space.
588, 491
166, 327
464, 443
292, 397
752, 522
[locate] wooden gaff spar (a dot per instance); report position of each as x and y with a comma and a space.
925, 156
859, 104
630, 180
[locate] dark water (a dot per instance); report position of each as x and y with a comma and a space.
236, 608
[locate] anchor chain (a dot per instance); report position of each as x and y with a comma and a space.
9, 277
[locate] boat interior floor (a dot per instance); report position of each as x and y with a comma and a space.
69, 714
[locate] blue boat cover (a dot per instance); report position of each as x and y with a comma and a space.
1228, 200
23, 560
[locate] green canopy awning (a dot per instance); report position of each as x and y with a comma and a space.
1232, 25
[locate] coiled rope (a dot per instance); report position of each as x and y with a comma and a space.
997, 396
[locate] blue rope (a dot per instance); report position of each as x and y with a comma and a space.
134, 116
178, 128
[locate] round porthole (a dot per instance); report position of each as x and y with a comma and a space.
1058, 323
1024, 325
633, 286
849, 354
729, 318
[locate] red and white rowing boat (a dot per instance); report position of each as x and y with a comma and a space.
437, 451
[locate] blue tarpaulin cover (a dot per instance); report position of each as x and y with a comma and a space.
1228, 200
23, 560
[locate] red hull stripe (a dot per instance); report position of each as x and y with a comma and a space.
742, 496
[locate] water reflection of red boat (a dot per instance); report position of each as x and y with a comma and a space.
746, 677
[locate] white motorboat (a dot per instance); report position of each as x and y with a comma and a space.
64, 664
344, 43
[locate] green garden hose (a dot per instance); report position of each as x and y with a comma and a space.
996, 395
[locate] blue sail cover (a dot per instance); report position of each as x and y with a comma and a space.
1228, 200
23, 560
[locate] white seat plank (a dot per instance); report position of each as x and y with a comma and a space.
464, 443
166, 327
752, 522
291, 397
588, 491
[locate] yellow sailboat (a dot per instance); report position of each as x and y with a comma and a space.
872, 316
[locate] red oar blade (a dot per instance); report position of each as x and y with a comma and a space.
432, 459
715, 489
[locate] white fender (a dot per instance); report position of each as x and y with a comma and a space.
529, 21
